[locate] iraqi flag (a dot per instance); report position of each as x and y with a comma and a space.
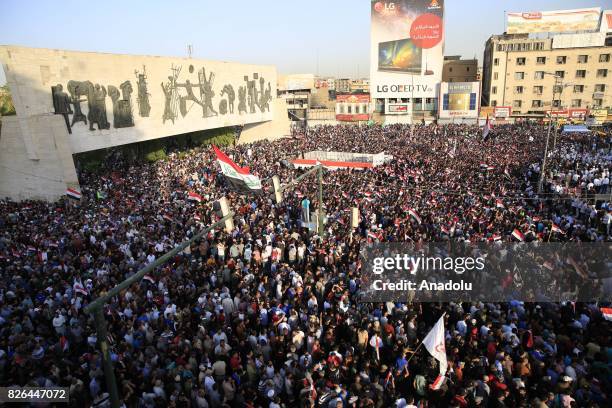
486, 130
74, 194
191, 196
607, 313
518, 235
556, 228
434, 343
78, 287
414, 215
238, 178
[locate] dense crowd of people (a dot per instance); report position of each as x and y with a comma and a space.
268, 315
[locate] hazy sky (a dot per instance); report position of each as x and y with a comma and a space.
293, 35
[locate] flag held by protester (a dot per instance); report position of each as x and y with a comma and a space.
486, 130
434, 342
74, 194
237, 177
414, 215
191, 196
518, 235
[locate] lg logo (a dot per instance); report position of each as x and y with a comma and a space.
383, 7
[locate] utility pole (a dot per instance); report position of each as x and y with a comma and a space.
96, 307
319, 169
557, 85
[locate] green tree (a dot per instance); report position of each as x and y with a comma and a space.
6, 102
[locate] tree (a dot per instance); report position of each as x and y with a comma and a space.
6, 102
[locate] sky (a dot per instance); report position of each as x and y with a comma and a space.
325, 37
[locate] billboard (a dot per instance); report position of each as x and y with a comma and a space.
606, 21
406, 48
459, 99
557, 21
503, 111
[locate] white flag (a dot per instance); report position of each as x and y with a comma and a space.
434, 343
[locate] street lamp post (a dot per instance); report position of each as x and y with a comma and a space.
96, 307
558, 83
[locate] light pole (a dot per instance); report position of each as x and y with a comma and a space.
96, 306
558, 83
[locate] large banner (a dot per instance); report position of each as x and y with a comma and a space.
459, 99
406, 52
557, 21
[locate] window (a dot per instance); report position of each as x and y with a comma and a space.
516, 104
578, 88
583, 59
538, 46
539, 75
600, 88
581, 73
561, 59
558, 89
341, 108
519, 75
493, 102
538, 89
520, 61
576, 103
450, 69
602, 73
556, 103
536, 103
357, 109
560, 74
495, 75
597, 102
494, 90
518, 89
604, 57
541, 60
496, 61
468, 69
349, 109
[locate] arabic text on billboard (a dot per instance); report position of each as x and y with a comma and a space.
558, 21
406, 51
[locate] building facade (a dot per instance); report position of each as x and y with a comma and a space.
456, 69
342, 85
537, 75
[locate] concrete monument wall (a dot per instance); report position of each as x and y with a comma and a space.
110, 99
104, 100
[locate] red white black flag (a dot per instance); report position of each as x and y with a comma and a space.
238, 178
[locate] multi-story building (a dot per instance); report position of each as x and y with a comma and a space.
342, 85
534, 75
456, 69
360, 86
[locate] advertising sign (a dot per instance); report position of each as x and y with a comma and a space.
459, 99
350, 98
406, 51
503, 111
557, 21
577, 113
606, 21
397, 108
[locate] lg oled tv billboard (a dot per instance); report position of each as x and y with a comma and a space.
407, 47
